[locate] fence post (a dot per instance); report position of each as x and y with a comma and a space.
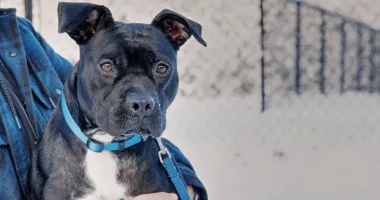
343, 44
359, 54
322, 54
262, 35
28, 9
298, 48
372, 72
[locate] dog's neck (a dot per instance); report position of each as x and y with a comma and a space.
87, 125
70, 92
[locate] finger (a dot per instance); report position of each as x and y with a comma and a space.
191, 191
174, 196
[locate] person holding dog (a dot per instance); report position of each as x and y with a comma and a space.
31, 83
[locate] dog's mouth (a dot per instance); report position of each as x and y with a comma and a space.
143, 133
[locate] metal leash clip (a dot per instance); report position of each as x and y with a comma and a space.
163, 150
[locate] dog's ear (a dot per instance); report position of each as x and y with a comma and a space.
177, 28
82, 20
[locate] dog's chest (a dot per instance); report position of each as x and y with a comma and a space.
123, 175
102, 170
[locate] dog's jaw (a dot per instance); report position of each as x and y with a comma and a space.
100, 136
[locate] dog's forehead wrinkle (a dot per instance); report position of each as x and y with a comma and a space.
136, 32
139, 41
144, 34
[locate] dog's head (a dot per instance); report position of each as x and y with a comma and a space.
127, 74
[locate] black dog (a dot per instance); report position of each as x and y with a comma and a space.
124, 82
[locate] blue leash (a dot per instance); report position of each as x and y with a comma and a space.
96, 146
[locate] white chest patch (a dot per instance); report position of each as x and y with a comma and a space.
101, 169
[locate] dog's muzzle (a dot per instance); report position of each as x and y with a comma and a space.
139, 104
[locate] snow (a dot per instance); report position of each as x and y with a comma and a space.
312, 147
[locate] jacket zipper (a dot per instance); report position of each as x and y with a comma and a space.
14, 97
19, 104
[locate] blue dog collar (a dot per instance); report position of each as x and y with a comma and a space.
96, 146
92, 144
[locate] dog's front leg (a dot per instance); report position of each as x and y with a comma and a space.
55, 189
60, 187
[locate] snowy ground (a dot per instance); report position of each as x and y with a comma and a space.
311, 148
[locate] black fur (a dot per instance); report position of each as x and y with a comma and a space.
97, 98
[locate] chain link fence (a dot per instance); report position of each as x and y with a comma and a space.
308, 49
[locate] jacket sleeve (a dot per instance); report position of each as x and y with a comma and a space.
61, 65
186, 169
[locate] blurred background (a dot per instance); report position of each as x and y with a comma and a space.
282, 104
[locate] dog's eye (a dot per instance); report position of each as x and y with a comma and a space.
107, 67
162, 69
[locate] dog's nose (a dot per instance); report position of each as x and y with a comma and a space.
140, 104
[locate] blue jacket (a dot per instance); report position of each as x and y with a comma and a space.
20, 44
